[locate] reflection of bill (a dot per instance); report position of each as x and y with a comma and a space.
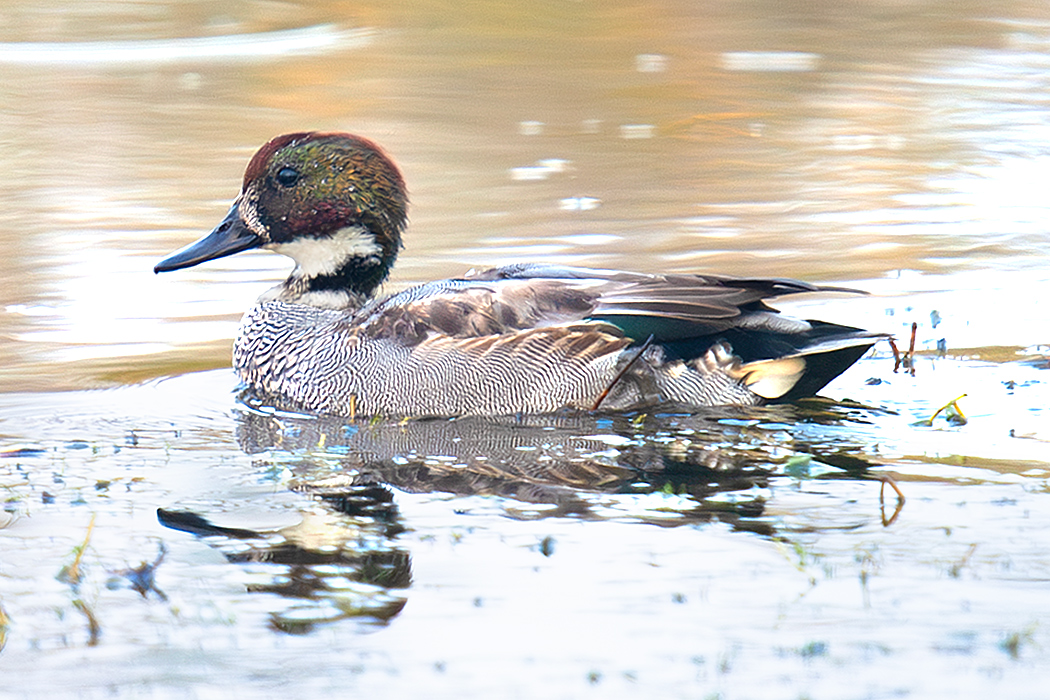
333, 567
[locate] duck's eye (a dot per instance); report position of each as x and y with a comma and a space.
287, 176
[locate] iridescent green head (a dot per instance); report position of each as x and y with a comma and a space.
333, 202
313, 184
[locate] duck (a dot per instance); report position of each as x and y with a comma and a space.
524, 338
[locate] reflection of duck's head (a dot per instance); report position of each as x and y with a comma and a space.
334, 203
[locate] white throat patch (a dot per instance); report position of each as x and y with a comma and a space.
322, 256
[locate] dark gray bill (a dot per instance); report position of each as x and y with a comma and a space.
229, 237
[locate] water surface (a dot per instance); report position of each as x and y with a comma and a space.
731, 554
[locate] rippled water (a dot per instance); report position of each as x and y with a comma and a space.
891, 147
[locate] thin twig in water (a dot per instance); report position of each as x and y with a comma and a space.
957, 567
958, 416
71, 574
882, 502
94, 629
911, 349
906, 359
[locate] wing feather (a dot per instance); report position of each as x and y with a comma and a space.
520, 297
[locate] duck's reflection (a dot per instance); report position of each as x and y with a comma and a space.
344, 559
561, 461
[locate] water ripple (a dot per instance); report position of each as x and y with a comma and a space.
262, 45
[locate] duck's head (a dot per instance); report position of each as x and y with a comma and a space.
335, 203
